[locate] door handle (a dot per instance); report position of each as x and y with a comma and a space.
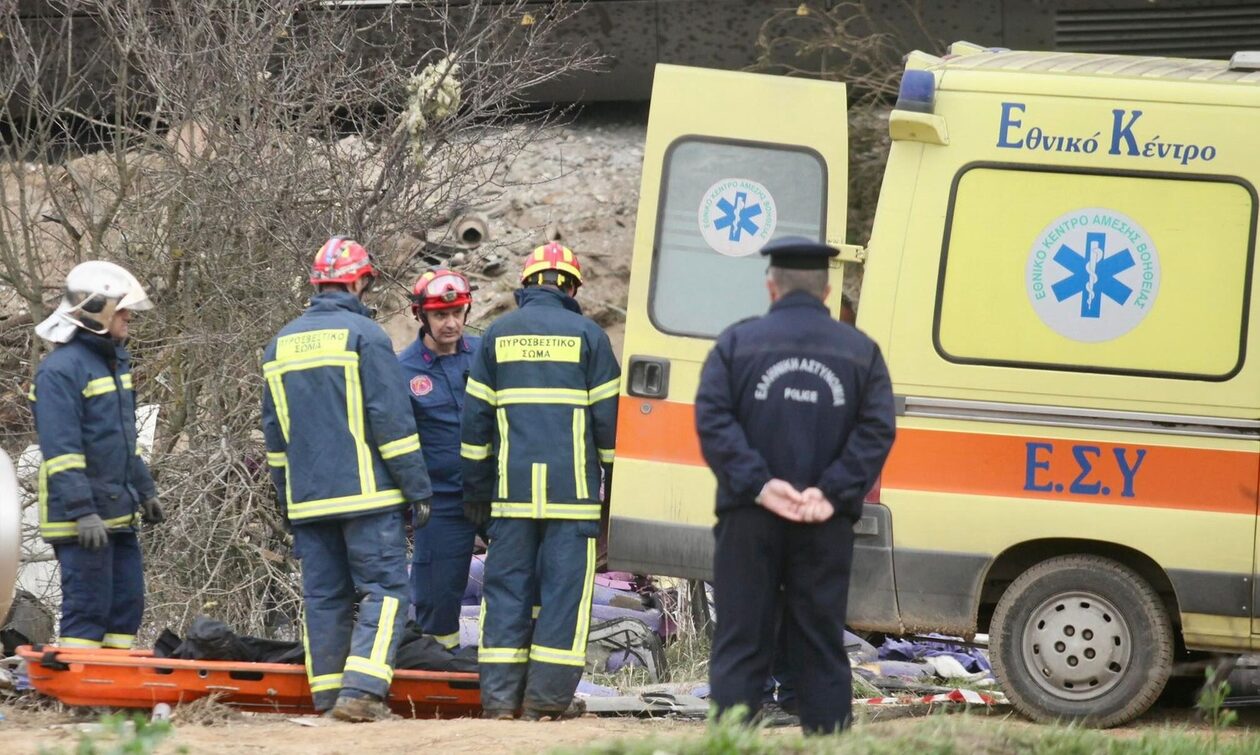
649, 377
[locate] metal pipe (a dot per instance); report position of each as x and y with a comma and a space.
471, 230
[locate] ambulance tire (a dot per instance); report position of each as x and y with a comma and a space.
1083, 639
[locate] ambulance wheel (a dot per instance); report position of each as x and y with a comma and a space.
1081, 638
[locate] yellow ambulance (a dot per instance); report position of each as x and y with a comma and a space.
1060, 275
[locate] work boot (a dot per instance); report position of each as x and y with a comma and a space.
576, 708
498, 714
361, 710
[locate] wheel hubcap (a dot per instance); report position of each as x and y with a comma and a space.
1077, 646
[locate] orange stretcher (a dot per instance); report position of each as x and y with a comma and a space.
137, 679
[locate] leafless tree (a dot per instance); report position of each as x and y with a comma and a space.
211, 147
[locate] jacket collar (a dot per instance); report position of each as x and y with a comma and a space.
104, 346
430, 356
798, 299
543, 296
329, 301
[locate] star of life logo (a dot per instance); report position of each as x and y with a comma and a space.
1093, 274
737, 217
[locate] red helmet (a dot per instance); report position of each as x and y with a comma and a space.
552, 256
341, 260
440, 288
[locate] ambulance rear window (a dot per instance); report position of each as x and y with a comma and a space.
721, 201
1096, 271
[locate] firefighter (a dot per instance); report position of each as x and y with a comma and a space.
436, 367
795, 417
539, 422
93, 486
346, 462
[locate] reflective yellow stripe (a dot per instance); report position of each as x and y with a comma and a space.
277, 459
475, 453
558, 657
605, 391
276, 386
606, 455
49, 529
448, 641
281, 366
344, 505
99, 387
31, 393
568, 396
400, 447
354, 412
580, 486
78, 642
502, 655
360, 665
64, 462
572, 510
306, 646
550, 510
583, 627
385, 630
533, 612
324, 682
503, 453
539, 483
126, 381
481, 621
481, 391
120, 641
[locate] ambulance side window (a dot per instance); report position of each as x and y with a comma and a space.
1111, 272
721, 201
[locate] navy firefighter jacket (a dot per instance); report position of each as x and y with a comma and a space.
341, 441
541, 413
85, 416
436, 386
799, 396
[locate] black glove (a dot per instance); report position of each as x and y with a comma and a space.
151, 511
477, 512
421, 511
93, 535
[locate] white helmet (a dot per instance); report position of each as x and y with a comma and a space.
95, 290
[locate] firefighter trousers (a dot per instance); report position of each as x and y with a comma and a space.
102, 592
756, 553
439, 569
347, 562
536, 663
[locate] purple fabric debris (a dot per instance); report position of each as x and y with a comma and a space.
589, 689
972, 659
651, 617
904, 669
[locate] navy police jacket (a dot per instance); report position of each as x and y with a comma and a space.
85, 416
798, 396
541, 411
341, 441
436, 386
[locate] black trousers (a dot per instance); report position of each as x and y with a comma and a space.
757, 552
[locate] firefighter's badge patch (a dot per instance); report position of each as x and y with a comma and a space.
421, 385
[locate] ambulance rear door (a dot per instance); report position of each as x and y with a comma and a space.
731, 161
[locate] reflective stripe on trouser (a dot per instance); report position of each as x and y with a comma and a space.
343, 559
539, 663
102, 592
439, 569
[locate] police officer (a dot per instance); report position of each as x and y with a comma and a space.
436, 367
539, 421
795, 417
346, 461
93, 485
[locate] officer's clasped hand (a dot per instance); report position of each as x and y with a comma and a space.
422, 510
477, 512
784, 500
93, 535
151, 511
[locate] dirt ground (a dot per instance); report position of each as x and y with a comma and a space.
23, 732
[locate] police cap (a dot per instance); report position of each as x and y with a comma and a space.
799, 253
